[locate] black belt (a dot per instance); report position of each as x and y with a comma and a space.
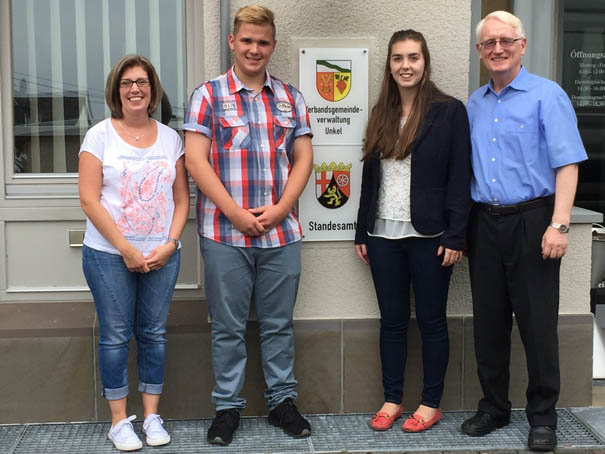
499, 210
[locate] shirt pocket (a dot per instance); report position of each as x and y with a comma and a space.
234, 132
521, 140
283, 130
520, 127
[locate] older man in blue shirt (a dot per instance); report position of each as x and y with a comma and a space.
526, 147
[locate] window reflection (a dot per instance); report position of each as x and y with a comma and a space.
584, 82
62, 53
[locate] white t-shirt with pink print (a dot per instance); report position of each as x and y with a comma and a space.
137, 186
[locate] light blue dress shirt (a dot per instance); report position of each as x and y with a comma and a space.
519, 138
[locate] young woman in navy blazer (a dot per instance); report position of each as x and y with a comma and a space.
415, 201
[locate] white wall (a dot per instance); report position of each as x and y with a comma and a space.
444, 23
334, 283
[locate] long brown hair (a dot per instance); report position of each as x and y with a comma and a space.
383, 135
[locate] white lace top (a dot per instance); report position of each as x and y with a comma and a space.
393, 219
394, 191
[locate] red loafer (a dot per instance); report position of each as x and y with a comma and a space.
383, 421
415, 423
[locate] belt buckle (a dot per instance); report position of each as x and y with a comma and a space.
491, 210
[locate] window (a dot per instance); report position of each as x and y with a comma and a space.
583, 78
62, 52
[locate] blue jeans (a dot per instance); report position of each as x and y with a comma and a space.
396, 264
234, 277
127, 303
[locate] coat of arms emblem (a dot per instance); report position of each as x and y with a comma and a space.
333, 79
332, 184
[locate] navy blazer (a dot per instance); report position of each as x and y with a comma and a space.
441, 174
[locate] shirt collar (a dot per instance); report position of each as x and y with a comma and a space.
236, 85
520, 82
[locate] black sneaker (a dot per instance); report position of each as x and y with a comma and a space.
286, 416
222, 428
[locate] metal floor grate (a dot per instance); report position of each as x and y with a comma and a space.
9, 435
331, 434
350, 432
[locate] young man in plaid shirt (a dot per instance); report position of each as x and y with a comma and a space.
248, 149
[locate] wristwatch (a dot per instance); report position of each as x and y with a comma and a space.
560, 227
177, 243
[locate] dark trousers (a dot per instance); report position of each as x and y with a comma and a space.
396, 264
508, 275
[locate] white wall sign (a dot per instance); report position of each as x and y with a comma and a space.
334, 82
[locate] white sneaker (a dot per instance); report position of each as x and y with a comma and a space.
153, 428
123, 436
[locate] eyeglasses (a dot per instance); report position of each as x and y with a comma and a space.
127, 83
505, 43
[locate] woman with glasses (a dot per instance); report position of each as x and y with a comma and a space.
412, 216
134, 192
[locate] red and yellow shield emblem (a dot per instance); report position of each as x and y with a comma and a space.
333, 79
332, 184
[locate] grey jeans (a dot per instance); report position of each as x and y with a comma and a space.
235, 277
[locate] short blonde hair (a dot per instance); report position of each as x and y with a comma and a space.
112, 87
502, 16
254, 14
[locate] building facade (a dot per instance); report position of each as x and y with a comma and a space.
54, 57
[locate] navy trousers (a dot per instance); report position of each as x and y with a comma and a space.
395, 265
508, 275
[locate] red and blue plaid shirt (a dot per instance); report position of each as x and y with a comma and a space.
252, 147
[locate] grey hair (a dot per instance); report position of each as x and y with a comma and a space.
502, 16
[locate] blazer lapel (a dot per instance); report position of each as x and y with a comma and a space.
428, 121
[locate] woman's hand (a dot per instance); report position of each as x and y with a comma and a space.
450, 256
362, 253
134, 260
160, 255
